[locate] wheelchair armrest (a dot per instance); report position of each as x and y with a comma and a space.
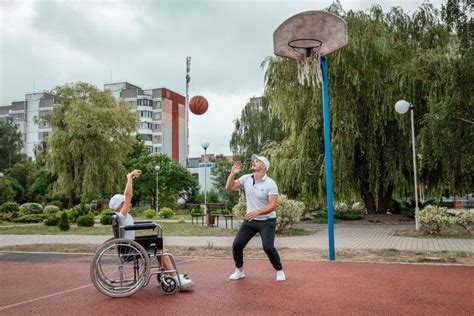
141, 226
143, 222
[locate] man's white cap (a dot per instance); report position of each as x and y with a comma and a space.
116, 200
262, 159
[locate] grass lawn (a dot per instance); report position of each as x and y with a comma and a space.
421, 234
169, 229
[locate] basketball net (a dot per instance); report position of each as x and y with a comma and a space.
309, 65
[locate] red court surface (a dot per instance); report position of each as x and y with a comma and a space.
48, 284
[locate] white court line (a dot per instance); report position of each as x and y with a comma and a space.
43, 297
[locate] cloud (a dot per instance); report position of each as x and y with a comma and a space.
48, 43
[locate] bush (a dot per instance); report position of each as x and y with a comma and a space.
85, 220
72, 215
465, 220
166, 212
344, 212
240, 209
6, 217
149, 213
51, 209
434, 219
106, 219
30, 218
288, 213
57, 203
31, 208
63, 222
52, 220
82, 209
9, 207
195, 211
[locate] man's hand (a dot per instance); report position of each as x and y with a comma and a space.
134, 174
250, 215
236, 167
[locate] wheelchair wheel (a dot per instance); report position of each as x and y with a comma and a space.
120, 268
168, 285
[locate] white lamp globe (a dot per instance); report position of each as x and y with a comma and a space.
402, 106
157, 168
205, 144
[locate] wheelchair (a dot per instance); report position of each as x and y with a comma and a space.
121, 267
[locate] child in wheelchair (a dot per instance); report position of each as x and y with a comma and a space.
121, 204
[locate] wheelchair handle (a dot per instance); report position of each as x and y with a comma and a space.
140, 226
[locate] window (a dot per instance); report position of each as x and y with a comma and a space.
157, 105
157, 116
43, 135
157, 138
157, 127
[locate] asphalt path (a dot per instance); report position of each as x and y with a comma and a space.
58, 284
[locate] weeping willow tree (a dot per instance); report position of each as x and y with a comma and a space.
90, 140
447, 136
390, 56
255, 128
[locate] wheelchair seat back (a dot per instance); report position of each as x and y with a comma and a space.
116, 225
151, 242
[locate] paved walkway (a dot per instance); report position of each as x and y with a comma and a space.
346, 237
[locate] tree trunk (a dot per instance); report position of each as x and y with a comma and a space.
384, 198
72, 199
368, 198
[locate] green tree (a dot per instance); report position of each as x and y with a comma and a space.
90, 141
39, 190
220, 172
7, 193
23, 173
174, 181
448, 128
255, 128
10, 144
389, 57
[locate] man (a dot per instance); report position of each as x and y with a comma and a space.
261, 194
121, 204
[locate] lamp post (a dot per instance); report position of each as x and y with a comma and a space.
157, 169
205, 145
402, 107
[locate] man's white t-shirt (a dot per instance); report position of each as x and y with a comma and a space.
124, 221
256, 194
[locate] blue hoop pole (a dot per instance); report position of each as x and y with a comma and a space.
327, 153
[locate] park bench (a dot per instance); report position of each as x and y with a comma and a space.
196, 216
213, 219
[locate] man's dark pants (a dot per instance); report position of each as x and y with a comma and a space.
247, 230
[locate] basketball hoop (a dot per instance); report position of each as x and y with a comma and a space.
307, 53
307, 37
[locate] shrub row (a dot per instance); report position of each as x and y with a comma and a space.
434, 220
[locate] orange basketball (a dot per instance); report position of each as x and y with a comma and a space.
198, 104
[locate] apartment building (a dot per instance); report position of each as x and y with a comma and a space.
163, 118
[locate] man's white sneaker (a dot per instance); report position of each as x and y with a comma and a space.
237, 275
281, 275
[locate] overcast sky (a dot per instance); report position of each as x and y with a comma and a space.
48, 43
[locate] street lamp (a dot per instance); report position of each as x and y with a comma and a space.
402, 107
157, 169
205, 145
